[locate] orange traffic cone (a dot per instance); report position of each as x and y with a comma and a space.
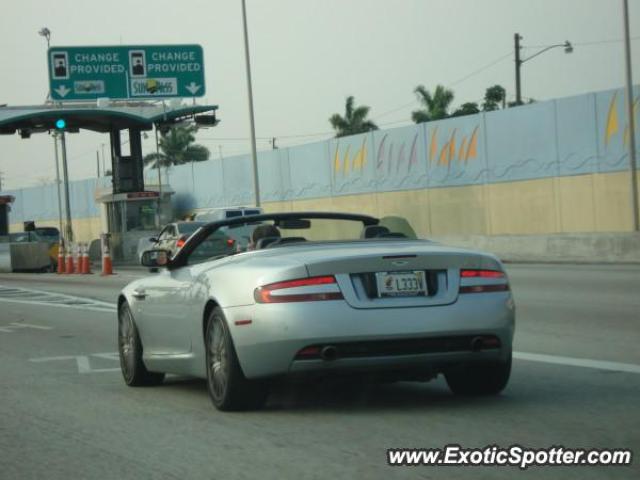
86, 263
107, 265
77, 258
69, 255
60, 258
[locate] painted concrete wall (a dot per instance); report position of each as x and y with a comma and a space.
551, 167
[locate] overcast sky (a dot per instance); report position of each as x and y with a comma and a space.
308, 55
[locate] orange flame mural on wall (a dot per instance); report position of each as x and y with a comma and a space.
467, 150
611, 126
348, 164
395, 154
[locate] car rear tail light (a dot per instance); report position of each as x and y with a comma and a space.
472, 281
481, 274
301, 290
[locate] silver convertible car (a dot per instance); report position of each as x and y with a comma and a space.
322, 294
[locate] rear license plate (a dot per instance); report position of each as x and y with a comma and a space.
401, 284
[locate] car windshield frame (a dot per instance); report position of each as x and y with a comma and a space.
182, 257
188, 231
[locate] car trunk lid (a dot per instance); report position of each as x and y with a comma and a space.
359, 269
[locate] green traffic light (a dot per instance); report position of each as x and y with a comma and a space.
61, 123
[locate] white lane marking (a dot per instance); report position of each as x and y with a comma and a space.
578, 362
108, 356
110, 309
30, 325
41, 297
13, 326
83, 364
82, 361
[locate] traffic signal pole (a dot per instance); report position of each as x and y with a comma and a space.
55, 147
67, 200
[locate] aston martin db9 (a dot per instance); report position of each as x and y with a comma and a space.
318, 294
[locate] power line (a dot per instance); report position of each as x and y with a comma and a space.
397, 122
456, 82
228, 140
268, 139
232, 139
302, 135
395, 110
481, 69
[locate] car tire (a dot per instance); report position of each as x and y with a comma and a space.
488, 378
228, 388
134, 371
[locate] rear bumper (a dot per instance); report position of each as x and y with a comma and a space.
427, 363
269, 344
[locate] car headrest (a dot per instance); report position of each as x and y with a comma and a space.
265, 242
372, 231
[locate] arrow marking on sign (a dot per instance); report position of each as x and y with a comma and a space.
62, 91
193, 88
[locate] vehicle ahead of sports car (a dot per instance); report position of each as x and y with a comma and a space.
341, 295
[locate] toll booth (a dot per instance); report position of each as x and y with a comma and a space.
132, 216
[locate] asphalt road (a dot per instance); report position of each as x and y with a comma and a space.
65, 412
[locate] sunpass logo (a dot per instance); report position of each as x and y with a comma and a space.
154, 87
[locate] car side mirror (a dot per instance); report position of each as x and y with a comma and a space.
153, 239
155, 258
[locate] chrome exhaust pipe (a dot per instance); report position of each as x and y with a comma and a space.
329, 353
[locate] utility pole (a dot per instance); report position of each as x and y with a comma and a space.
55, 149
568, 48
102, 148
1, 172
630, 120
97, 163
516, 41
273, 143
65, 173
254, 155
159, 167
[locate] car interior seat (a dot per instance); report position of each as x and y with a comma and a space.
265, 242
372, 231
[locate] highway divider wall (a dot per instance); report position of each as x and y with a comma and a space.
551, 167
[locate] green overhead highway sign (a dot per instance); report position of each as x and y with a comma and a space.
126, 72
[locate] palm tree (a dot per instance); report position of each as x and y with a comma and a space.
436, 105
177, 148
354, 120
468, 108
494, 97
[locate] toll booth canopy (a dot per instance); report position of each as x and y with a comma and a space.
129, 210
135, 117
